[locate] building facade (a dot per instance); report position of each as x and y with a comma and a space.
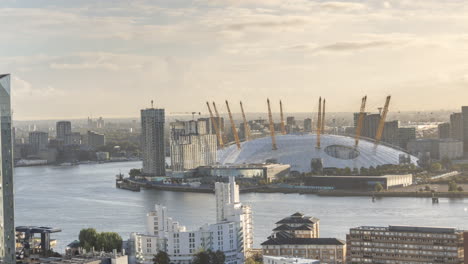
465, 127
191, 145
38, 141
436, 148
284, 260
63, 128
152, 142
405, 244
231, 234
308, 125
456, 126
443, 130
7, 202
267, 172
95, 140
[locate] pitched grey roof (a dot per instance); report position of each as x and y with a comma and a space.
303, 241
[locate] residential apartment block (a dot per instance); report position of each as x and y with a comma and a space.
405, 244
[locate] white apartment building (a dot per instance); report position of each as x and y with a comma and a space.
232, 234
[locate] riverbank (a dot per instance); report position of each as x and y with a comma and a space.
292, 190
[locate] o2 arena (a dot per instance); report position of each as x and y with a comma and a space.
298, 150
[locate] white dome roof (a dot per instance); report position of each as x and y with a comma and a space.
299, 149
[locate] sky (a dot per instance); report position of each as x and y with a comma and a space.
79, 58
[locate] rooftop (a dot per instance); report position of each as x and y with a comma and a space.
298, 218
303, 241
412, 229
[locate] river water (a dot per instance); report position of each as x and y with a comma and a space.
83, 196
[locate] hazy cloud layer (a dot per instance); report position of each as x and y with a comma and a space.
110, 58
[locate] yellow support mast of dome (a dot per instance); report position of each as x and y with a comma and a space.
272, 127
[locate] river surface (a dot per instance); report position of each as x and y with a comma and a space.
76, 197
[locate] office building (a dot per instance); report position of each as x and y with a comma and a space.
63, 128
390, 133
267, 172
405, 244
285, 260
73, 138
370, 125
152, 142
456, 126
95, 140
191, 145
326, 250
308, 125
7, 201
436, 148
38, 141
443, 130
363, 183
232, 234
406, 134
465, 127
297, 236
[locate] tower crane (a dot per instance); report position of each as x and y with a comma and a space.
233, 127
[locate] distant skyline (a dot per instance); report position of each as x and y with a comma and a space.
111, 58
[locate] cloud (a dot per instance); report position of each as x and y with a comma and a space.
354, 46
273, 24
84, 66
343, 6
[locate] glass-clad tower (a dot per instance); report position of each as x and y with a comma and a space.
7, 217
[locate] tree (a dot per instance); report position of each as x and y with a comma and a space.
427, 188
452, 186
436, 167
218, 257
378, 187
460, 189
446, 162
108, 241
134, 172
161, 258
209, 257
88, 238
202, 257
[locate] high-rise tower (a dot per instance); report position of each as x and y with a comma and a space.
7, 203
152, 142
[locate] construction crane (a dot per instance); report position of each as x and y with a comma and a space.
221, 129
233, 127
272, 127
360, 121
322, 122
216, 128
186, 113
319, 122
283, 128
246, 124
380, 129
